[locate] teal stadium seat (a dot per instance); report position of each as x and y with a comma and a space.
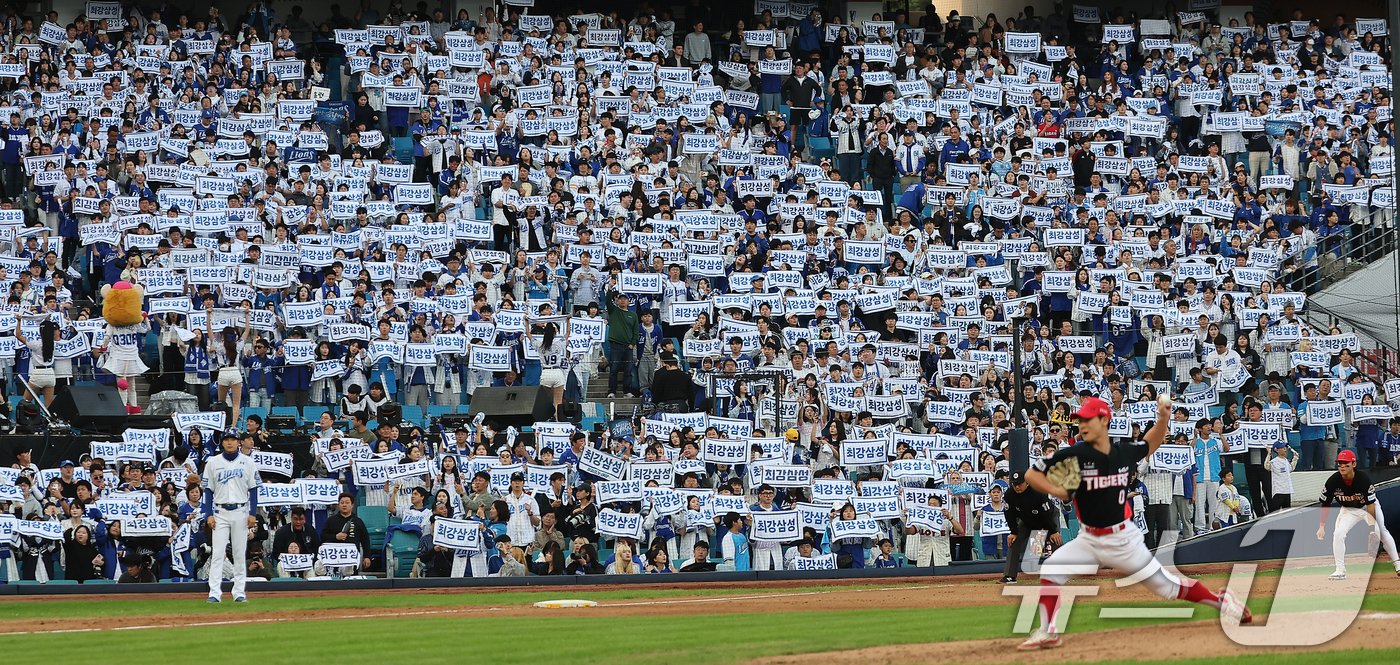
413, 414
819, 147
285, 412
439, 410
376, 519
403, 149
402, 550
249, 411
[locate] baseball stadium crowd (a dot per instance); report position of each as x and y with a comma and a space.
812, 249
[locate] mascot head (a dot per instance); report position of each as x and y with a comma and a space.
121, 304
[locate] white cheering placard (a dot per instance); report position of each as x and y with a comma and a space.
338, 555
619, 525
776, 526
457, 534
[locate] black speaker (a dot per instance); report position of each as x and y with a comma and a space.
96, 408
519, 406
570, 412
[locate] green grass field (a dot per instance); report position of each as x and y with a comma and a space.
553, 636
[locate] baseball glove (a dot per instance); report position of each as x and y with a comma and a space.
1065, 474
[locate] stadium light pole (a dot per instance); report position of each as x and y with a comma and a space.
1019, 440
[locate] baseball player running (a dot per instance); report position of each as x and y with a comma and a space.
230, 482
1093, 474
1353, 491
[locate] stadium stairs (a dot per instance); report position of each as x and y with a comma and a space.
597, 407
1360, 295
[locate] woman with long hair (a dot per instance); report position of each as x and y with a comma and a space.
81, 559
224, 358
41, 358
554, 360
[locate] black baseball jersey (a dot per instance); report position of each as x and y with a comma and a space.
1102, 498
1358, 493
1031, 510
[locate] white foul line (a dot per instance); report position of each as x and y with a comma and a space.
761, 596
457, 610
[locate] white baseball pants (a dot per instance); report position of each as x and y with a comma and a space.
1346, 520
767, 557
229, 526
1124, 551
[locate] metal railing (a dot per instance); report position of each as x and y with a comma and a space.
1358, 250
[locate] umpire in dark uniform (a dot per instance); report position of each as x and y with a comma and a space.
1026, 512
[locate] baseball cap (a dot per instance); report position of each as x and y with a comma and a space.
67, 462
791, 434
1284, 444
1093, 407
1017, 478
517, 476
1346, 456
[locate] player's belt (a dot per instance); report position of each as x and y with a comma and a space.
1104, 531
232, 506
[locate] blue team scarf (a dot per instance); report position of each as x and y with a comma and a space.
197, 362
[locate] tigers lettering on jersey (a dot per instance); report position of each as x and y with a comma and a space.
1102, 498
1092, 480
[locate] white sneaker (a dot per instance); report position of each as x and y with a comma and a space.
1397, 567
1041, 639
1233, 610
1339, 575
612, 395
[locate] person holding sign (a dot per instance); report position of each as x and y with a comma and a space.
230, 481
850, 552
1094, 474
344, 526
1353, 492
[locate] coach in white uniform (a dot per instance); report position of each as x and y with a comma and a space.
230, 495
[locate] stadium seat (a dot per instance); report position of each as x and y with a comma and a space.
403, 149
593, 413
102, 580
285, 411
819, 147
413, 414
439, 410
248, 411
376, 519
313, 412
287, 579
400, 552
63, 582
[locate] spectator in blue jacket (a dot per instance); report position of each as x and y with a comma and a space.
1312, 437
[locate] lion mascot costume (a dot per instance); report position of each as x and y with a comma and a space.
126, 329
